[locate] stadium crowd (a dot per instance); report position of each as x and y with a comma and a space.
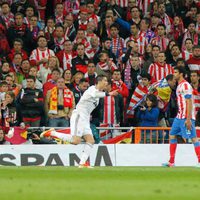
51, 51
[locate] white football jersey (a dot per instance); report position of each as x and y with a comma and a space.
89, 101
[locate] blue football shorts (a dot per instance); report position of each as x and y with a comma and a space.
179, 128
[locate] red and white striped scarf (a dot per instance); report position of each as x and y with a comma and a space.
117, 45
8, 19
108, 32
68, 30
59, 19
26, 21
82, 25
177, 31
122, 3
142, 43
105, 67
194, 38
67, 61
60, 43
144, 5
94, 18
198, 28
84, 42
89, 36
167, 22
109, 110
137, 98
90, 52
186, 55
161, 42
127, 75
70, 6
42, 54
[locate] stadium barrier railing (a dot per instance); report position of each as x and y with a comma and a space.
140, 135
151, 135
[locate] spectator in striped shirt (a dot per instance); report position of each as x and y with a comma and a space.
187, 53
160, 69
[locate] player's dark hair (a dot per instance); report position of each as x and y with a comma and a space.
100, 78
169, 77
181, 70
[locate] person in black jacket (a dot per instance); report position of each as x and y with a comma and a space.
80, 89
106, 45
31, 103
20, 30
79, 63
20, 6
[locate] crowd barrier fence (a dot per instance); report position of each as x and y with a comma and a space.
143, 135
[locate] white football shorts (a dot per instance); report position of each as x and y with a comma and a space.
80, 124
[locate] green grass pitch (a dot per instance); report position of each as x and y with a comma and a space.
61, 183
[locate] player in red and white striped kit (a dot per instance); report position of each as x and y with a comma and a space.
184, 123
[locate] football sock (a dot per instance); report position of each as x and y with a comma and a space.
172, 149
85, 153
197, 150
62, 136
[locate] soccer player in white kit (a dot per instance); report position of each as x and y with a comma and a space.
184, 123
80, 119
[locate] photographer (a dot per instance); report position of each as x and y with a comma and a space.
148, 116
